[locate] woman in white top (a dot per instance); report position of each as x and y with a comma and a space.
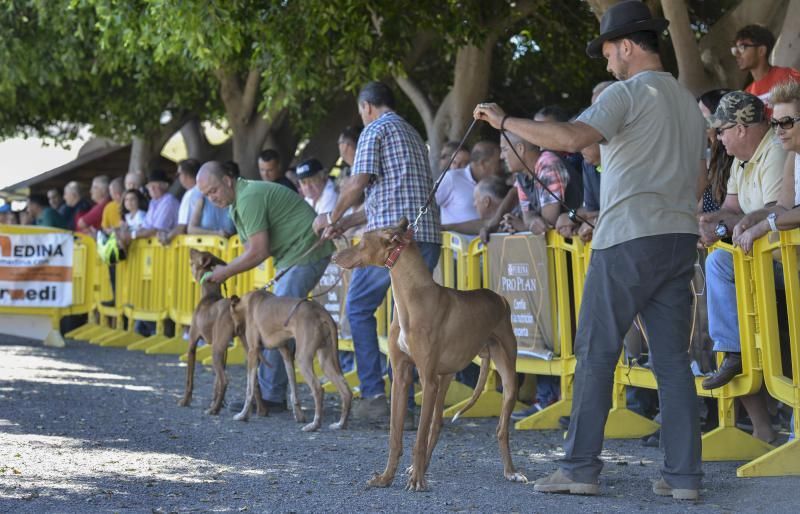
133, 209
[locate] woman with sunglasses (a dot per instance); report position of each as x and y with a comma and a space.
785, 122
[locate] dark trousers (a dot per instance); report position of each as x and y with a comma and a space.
650, 276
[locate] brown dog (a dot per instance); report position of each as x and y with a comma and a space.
213, 322
269, 321
440, 330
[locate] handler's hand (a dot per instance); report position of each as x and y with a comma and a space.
219, 274
320, 223
585, 232
565, 226
331, 232
490, 113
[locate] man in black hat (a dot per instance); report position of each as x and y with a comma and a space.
316, 186
651, 135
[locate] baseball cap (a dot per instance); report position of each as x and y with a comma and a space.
738, 107
308, 168
157, 176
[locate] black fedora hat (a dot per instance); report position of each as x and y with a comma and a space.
622, 19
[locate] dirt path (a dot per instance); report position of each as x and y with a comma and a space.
90, 429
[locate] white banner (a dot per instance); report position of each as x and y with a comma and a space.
36, 270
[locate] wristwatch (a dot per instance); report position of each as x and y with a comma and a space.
771, 217
721, 229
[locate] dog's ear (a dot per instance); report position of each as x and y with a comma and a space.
217, 261
402, 225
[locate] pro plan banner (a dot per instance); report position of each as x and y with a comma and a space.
334, 300
518, 271
36, 270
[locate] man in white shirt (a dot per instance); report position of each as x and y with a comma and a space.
455, 193
316, 187
187, 175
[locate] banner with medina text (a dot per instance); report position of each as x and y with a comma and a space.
36, 269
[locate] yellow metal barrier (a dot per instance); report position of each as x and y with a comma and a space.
726, 442
84, 257
782, 383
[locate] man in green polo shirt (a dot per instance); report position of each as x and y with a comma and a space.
272, 221
44, 215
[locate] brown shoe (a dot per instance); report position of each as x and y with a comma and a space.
372, 409
662, 488
558, 482
730, 367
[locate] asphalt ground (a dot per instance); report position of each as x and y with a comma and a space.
91, 429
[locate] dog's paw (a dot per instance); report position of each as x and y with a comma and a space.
184, 402
410, 470
416, 482
212, 411
337, 426
379, 480
311, 427
516, 476
241, 417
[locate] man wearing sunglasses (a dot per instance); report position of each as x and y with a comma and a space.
752, 48
754, 185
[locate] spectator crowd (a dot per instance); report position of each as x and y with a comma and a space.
747, 178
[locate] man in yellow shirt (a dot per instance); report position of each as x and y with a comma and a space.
112, 213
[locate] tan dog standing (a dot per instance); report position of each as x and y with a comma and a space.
213, 322
440, 330
269, 321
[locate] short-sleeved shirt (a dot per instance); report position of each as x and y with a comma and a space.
653, 142
553, 177
93, 217
327, 200
776, 75
393, 152
268, 207
112, 215
50, 218
454, 196
162, 214
216, 218
187, 204
757, 182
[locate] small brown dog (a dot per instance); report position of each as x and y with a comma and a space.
440, 330
269, 321
213, 322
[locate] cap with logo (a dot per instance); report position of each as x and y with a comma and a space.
308, 168
739, 108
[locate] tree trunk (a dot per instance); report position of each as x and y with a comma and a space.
787, 49
250, 128
691, 72
323, 142
197, 146
146, 149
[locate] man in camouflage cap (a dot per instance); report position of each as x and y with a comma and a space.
754, 184
737, 108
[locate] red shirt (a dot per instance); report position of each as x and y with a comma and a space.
776, 75
92, 218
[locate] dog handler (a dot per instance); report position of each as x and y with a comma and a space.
271, 220
651, 133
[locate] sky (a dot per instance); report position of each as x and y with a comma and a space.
24, 158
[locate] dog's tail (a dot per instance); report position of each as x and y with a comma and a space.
484, 374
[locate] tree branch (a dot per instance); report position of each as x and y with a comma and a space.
418, 98
691, 72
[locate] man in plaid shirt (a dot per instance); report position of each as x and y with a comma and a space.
391, 169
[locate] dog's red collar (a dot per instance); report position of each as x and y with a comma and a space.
391, 260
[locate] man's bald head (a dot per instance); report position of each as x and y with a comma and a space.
216, 184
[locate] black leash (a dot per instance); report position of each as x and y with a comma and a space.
572, 213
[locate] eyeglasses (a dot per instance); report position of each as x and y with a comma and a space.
786, 123
720, 130
741, 47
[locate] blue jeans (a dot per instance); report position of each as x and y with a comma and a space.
297, 283
723, 318
367, 290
